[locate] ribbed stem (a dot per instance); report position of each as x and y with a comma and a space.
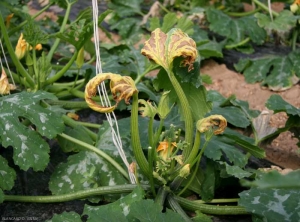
135, 138
74, 196
187, 114
210, 209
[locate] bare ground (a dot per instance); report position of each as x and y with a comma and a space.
283, 151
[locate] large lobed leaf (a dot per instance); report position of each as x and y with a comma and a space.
30, 149
272, 204
7, 175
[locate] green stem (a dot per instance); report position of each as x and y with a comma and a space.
135, 138
264, 7
59, 74
62, 28
70, 122
76, 195
162, 195
97, 151
66, 104
294, 38
13, 30
187, 114
195, 148
210, 209
242, 14
177, 208
241, 43
149, 68
13, 56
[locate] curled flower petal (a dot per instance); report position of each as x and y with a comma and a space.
210, 122
122, 87
164, 48
5, 87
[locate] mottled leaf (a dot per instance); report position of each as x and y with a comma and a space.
82, 171
116, 211
30, 149
7, 175
272, 204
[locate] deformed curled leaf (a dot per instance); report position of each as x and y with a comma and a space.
164, 48
148, 109
122, 87
203, 125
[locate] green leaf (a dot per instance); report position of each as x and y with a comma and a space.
245, 142
66, 217
1, 196
82, 171
236, 171
278, 72
220, 145
196, 96
284, 22
30, 149
277, 104
7, 175
208, 183
235, 30
201, 217
274, 179
147, 210
125, 8
233, 115
116, 211
272, 204
195, 186
79, 133
169, 21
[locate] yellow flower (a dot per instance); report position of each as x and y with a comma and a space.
163, 149
21, 47
5, 87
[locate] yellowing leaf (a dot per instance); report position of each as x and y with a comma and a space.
122, 87
164, 48
148, 109
5, 87
212, 121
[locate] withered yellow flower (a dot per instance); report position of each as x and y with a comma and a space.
163, 149
5, 87
122, 87
7, 19
210, 122
164, 48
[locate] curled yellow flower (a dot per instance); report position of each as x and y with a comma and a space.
5, 87
164, 48
122, 87
21, 47
163, 149
211, 122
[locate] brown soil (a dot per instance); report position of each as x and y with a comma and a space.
283, 151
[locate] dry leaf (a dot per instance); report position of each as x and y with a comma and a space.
210, 122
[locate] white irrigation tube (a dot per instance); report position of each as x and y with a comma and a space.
111, 117
2, 68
